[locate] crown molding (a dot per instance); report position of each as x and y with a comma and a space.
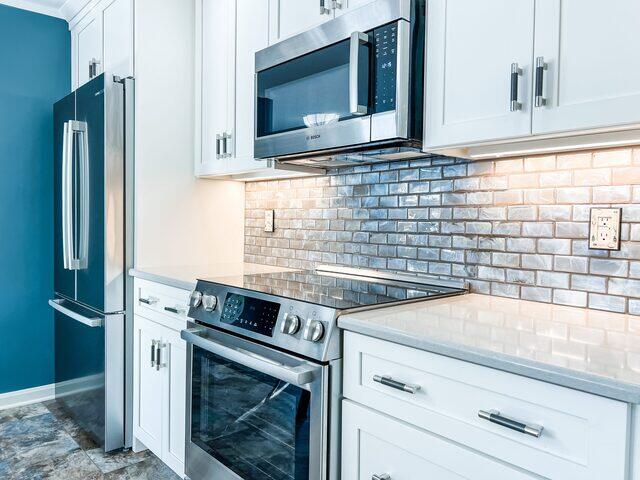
67, 10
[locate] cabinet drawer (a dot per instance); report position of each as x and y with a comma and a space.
584, 436
161, 303
375, 445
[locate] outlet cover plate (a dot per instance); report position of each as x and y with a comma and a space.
269, 224
604, 229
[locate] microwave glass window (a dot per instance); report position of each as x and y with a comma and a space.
254, 424
308, 91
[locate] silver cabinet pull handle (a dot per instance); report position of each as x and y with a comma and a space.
336, 4
355, 107
153, 353
382, 476
516, 73
494, 416
148, 301
218, 146
390, 382
226, 140
323, 8
158, 353
541, 66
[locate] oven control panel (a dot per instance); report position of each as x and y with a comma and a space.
248, 313
296, 326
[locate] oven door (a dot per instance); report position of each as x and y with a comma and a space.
253, 413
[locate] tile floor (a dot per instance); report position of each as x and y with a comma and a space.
41, 441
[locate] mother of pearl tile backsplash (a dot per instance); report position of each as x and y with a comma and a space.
513, 228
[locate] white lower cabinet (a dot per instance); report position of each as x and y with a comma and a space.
160, 373
375, 446
433, 409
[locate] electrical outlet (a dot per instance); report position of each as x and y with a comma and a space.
604, 229
269, 224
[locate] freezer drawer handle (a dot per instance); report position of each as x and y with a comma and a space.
494, 416
390, 382
90, 322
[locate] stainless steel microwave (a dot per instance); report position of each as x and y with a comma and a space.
348, 91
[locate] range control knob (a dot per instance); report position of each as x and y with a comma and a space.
209, 302
196, 299
291, 324
314, 331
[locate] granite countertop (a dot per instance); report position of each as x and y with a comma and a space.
589, 350
185, 277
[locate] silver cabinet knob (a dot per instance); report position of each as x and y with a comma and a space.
209, 302
196, 299
291, 324
314, 331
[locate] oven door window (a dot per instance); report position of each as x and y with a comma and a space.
254, 424
310, 91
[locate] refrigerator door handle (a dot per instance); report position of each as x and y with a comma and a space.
83, 254
67, 196
77, 260
93, 322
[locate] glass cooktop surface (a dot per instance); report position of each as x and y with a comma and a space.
339, 291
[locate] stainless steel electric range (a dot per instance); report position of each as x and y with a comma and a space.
265, 370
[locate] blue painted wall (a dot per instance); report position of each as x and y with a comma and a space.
35, 66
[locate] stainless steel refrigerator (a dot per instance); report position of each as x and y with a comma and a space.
93, 243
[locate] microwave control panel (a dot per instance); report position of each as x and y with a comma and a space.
385, 53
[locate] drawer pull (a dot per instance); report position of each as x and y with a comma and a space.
494, 417
172, 310
384, 476
390, 382
148, 301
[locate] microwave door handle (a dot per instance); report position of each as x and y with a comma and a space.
355, 107
299, 375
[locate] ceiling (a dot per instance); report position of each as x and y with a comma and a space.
66, 9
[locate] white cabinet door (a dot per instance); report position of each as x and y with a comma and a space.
289, 17
88, 39
174, 357
593, 76
215, 77
148, 385
471, 48
117, 25
374, 445
252, 34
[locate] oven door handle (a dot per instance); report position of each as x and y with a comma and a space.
298, 375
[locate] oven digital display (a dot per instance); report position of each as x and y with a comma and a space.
259, 316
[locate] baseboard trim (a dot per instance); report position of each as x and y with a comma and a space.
27, 396
43, 393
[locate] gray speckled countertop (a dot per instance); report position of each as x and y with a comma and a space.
185, 277
589, 350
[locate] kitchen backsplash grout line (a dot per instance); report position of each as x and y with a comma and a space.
513, 227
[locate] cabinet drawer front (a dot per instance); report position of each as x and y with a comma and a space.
161, 303
583, 436
374, 444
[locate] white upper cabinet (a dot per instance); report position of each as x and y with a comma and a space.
290, 17
102, 41
117, 27
215, 82
580, 75
88, 51
472, 47
593, 75
251, 36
